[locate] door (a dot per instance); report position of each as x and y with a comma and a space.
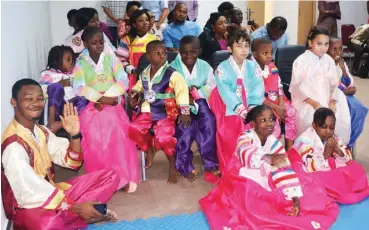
256, 12
306, 20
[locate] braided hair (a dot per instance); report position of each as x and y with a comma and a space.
55, 57
321, 115
255, 112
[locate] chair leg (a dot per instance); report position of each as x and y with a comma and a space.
143, 170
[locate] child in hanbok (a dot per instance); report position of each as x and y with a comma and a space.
314, 84
283, 109
100, 77
165, 98
133, 46
329, 161
260, 190
238, 88
86, 17
56, 82
357, 110
200, 80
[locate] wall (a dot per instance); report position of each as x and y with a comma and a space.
59, 9
25, 42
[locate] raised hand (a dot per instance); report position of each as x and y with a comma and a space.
70, 119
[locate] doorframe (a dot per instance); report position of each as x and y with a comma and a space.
314, 16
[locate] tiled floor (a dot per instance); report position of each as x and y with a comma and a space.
156, 198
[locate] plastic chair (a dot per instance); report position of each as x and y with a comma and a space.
284, 58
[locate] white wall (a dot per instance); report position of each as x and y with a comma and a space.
25, 42
59, 9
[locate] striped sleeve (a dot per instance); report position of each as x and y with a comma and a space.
286, 179
304, 148
246, 152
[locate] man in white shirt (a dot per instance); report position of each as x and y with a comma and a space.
31, 198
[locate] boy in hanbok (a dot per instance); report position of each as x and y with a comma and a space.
56, 82
283, 109
100, 78
314, 84
87, 17
166, 98
260, 190
238, 88
133, 45
358, 111
329, 161
200, 80
32, 200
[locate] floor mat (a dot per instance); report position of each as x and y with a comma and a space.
350, 217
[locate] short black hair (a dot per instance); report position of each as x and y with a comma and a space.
89, 32
255, 112
225, 6
321, 115
83, 16
259, 41
132, 3
55, 57
237, 35
333, 39
189, 39
314, 32
71, 13
20, 83
153, 44
278, 23
179, 3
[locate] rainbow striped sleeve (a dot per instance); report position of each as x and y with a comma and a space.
286, 179
304, 148
246, 152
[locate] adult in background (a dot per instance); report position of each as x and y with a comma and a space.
114, 11
360, 43
160, 11
179, 28
192, 8
329, 12
223, 8
275, 30
213, 41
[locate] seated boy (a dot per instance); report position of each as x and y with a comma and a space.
200, 80
165, 98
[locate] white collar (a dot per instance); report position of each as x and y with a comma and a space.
186, 72
235, 67
261, 73
99, 66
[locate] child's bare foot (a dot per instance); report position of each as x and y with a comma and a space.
149, 158
172, 177
130, 187
110, 216
192, 176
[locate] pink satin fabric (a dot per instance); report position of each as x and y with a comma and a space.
106, 144
164, 133
97, 186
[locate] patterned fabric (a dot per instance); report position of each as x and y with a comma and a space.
117, 8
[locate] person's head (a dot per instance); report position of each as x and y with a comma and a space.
132, 6
61, 58
262, 50
277, 27
335, 49
225, 7
156, 53
236, 16
87, 17
218, 22
318, 41
189, 49
151, 17
71, 15
261, 119
180, 13
93, 40
140, 23
324, 123
239, 44
27, 100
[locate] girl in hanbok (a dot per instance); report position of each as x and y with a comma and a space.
133, 45
99, 76
260, 190
328, 161
314, 84
56, 82
357, 110
237, 89
86, 17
